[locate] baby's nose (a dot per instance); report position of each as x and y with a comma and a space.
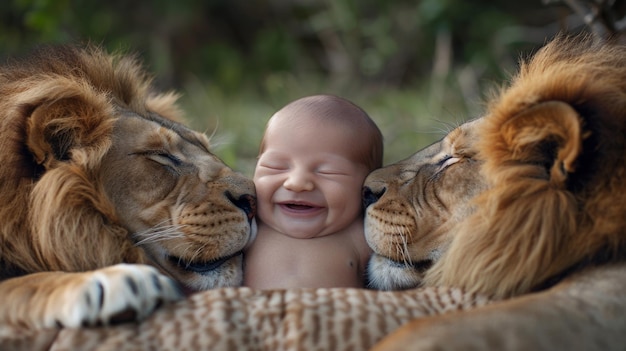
299, 180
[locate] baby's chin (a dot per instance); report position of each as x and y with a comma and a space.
293, 228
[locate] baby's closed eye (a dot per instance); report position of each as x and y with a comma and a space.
277, 166
332, 171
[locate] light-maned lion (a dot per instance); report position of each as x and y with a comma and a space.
98, 179
512, 203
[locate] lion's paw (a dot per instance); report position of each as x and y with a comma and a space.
119, 293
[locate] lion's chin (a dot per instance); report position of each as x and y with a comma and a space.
384, 273
201, 267
197, 276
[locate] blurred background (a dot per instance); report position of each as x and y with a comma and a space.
418, 67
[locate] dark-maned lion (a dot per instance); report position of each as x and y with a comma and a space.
512, 203
98, 178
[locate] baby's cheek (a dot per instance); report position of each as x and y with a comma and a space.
347, 196
263, 186
264, 208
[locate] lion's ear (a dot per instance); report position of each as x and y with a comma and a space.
46, 136
56, 127
548, 134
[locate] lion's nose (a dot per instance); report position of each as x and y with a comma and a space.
369, 196
246, 202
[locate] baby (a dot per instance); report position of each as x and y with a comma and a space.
313, 159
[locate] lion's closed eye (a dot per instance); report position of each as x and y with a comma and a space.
447, 161
165, 158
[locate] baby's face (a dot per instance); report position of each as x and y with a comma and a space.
307, 183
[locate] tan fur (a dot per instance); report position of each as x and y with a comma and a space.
583, 312
551, 157
97, 170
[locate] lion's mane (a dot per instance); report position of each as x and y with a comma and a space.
554, 151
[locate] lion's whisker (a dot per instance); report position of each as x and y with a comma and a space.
196, 254
405, 251
159, 233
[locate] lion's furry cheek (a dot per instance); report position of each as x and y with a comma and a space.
139, 197
386, 229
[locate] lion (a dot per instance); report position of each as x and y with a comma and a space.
108, 203
513, 203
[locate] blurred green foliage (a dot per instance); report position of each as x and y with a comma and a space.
419, 67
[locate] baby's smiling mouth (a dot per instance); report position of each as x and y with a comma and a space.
299, 206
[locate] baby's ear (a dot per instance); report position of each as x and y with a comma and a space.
548, 134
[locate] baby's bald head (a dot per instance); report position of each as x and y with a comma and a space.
309, 111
